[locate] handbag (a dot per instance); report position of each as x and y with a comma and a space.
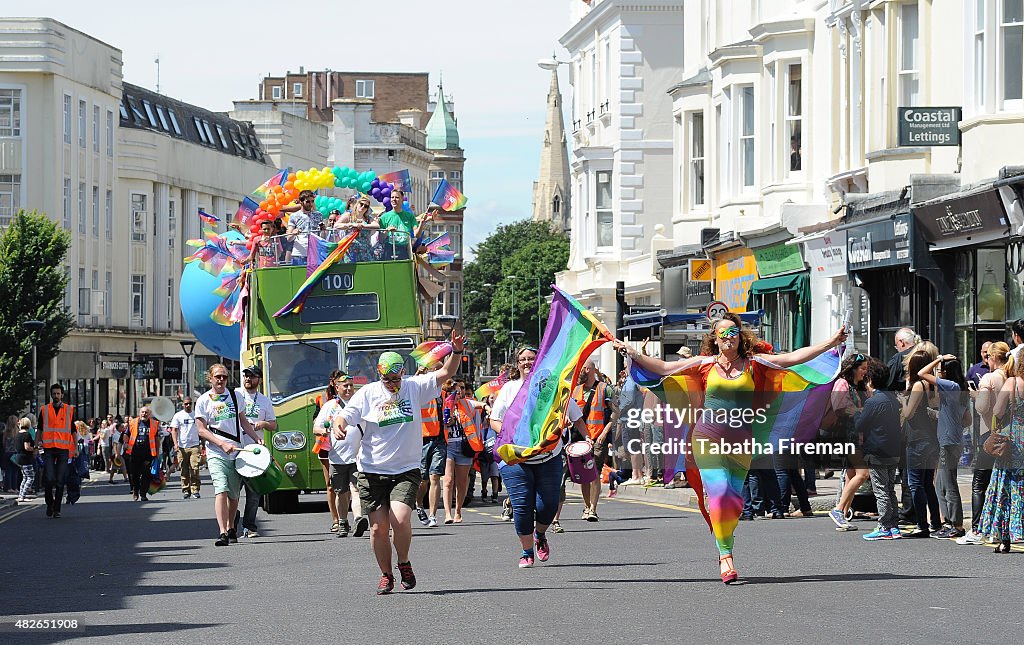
997, 445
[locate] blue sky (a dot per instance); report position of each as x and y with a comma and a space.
214, 52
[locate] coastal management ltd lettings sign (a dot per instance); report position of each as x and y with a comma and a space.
929, 126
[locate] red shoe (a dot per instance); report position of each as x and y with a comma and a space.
729, 576
408, 577
611, 494
386, 584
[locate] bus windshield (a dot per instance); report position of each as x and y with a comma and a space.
299, 366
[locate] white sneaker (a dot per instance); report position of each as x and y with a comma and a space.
432, 522
970, 538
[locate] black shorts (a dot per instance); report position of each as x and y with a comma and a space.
341, 475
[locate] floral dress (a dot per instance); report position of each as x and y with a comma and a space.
1001, 517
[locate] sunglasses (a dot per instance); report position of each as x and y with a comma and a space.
728, 332
390, 379
218, 376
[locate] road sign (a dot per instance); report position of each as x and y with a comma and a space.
700, 270
717, 310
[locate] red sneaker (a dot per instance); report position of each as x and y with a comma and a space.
542, 548
408, 577
386, 584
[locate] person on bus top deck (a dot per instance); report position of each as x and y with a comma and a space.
389, 453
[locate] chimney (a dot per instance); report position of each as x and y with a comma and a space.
302, 70
411, 117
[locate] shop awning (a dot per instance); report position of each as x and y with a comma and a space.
798, 283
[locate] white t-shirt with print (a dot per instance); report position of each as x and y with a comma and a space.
257, 406
218, 411
185, 424
300, 220
503, 402
344, 451
392, 440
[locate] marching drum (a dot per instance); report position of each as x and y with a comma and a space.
582, 469
256, 465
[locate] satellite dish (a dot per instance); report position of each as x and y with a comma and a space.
162, 408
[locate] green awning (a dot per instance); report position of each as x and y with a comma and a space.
799, 283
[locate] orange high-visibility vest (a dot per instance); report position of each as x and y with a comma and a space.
595, 419
154, 430
432, 420
57, 434
470, 427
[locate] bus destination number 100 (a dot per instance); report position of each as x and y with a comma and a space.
337, 282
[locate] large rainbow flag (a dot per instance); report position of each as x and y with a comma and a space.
320, 257
533, 424
400, 179
448, 197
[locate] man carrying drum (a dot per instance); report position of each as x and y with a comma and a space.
221, 427
388, 412
600, 414
260, 413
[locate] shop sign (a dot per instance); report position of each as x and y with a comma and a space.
929, 126
778, 258
171, 369
735, 271
879, 244
826, 255
700, 270
963, 219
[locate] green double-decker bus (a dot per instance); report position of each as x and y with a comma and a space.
363, 306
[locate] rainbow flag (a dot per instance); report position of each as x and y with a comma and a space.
431, 353
261, 193
314, 275
246, 211
448, 198
209, 219
533, 424
400, 179
491, 387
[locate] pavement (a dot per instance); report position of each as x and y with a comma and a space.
142, 572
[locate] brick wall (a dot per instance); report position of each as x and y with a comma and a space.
392, 91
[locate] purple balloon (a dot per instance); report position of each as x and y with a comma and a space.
375, 193
386, 191
387, 203
375, 183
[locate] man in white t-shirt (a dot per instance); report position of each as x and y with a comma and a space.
342, 459
389, 457
302, 224
260, 413
190, 450
222, 428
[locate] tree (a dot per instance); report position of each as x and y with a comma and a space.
528, 250
32, 281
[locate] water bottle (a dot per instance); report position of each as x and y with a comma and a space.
447, 416
967, 456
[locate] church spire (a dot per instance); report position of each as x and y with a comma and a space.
551, 189
442, 133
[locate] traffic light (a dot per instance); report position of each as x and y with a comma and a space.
466, 368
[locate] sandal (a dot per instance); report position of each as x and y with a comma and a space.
335, 527
729, 576
458, 519
448, 520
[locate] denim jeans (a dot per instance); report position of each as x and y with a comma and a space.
926, 501
534, 491
252, 506
791, 480
764, 493
55, 474
946, 486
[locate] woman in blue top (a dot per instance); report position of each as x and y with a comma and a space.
954, 416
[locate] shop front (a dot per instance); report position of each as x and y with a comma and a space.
735, 270
832, 293
968, 234
880, 259
782, 292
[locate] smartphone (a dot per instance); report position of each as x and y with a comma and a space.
846, 321
971, 385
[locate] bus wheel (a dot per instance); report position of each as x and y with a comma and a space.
285, 501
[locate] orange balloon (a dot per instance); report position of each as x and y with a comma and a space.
288, 185
263, 204
291, 177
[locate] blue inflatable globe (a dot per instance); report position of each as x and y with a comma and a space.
198, 302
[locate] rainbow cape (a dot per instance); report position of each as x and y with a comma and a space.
533, 424
317, 264
794, 401
431, 353
491, 387
448, 198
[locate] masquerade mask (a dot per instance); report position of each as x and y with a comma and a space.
728, 332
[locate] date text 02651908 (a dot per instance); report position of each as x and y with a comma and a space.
48, 624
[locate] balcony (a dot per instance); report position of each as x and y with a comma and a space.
395, 134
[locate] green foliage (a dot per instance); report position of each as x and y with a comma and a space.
531, 252
32, 282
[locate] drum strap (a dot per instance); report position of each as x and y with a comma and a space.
573, 434
237, 437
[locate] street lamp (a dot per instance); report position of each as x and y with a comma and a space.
444, 320
33, 327
513, 278
187, 346
488, 335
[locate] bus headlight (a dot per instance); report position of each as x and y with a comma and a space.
289, 440
291, 469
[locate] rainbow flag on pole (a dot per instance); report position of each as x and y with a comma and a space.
491, 387
399, 178
448, 198
314, 275
533, 425
261, 193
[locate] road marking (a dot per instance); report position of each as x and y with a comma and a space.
642, 503
15, 513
